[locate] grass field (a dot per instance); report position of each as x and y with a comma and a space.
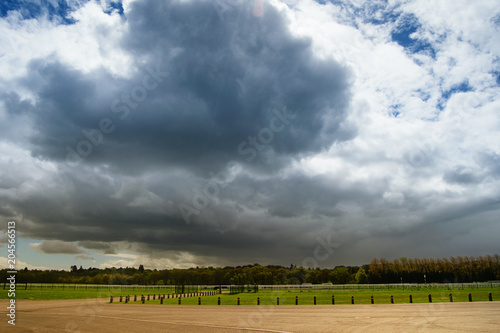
381, 296
266, 297
53, 292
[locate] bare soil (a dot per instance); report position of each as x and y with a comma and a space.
96, 315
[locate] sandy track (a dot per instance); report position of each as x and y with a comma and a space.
95, 315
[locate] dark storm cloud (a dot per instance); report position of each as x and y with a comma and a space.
56, 247
203, 90
225, 78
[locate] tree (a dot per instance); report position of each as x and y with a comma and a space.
361, 276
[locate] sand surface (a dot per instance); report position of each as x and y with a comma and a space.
95, 315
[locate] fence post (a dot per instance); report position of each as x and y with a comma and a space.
161, 300
111, 299
154, 297
296, 300
120, 299
135, 298
143, 299
218, 300
490, 297
126, 299
411, 299
148, 297
199, 300
258, 301
470, 297
277, 301
333, 300
371, 299
238, 301
392, 299
314, 300
179, 300
430, 298
352, 299
451, 298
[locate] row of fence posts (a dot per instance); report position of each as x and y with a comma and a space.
161, 298
210, 293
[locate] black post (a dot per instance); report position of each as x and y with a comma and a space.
333, 300
371, 298
143, 299
135, 298
470, 297
451, 298
258, 301
238, 301
392, 299
277, 301
218, 300
490, 297
314, 300
179, 300
430, 298
199, 300
120, 299
111, 299
411, 299
352, 299
126, 299
296, 300
161, 300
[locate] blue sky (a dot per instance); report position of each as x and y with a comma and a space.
226, 132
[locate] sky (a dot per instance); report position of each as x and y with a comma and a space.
184, 133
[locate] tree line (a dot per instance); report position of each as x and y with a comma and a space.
453, 269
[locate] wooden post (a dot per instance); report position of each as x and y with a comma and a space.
179, 300
126, 299
470, 297
392, 299
490, 297
120, 299
371, 299
430, 298
296, 300
451, 298
238, 301
277, 301
154, 297
199, 300
135, 298
411, 299
111, 299
161, 300
143, 299
333, 300
258, 301
218, 300
352, 299
314, 300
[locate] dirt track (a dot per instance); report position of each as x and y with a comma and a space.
97, 316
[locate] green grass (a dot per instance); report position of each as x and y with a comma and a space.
267, 297
49, 292
381, 296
